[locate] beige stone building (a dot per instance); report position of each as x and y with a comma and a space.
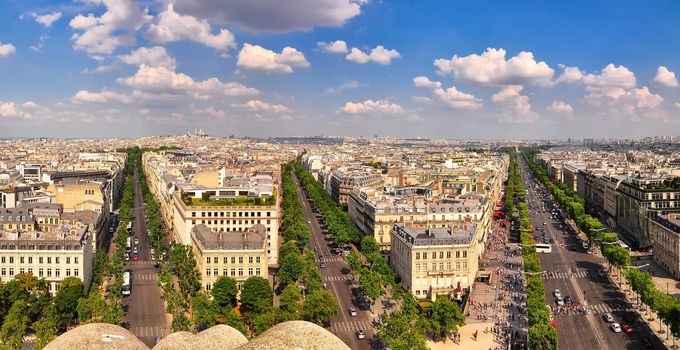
436, 261
75, 197
65, 251
664, 232
236, 254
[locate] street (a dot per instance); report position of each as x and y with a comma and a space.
581, 276
336, 274
145, 312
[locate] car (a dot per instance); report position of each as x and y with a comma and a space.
135, 257
322, 265
309, 221
136, 240
615, 327
545, 223
352, 312
627, 328
557, 293
111, 229
324, 285
135, 250
127, 257
559, 301
568, 300
361, 334
608, 317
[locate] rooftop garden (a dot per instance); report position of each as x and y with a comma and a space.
666, 185
206, 200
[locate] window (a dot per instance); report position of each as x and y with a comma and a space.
49, 272
441, 266
250, 271
216, 272
215, 260
57, 272
257, 271
434, 267
21, 261
457, 265
225, 260
68, 272
417, 255
250, 260
75, 260
448, 255
225, 272
233, 260
465, 253
257, 259
30, 259
30, 270
207, 272
41, 273
4, 271
233, 272
11, 271
448, 266
417, 267
441, 255
11, 260
207, 260
207, 286
68, 259
2, 260
240, 272
457, 254
75, 272
240, 260
464, 265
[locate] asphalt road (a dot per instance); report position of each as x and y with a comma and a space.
336, 275
145, 313
587, 286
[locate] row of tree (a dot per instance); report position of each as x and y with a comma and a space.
542, 335
408, 326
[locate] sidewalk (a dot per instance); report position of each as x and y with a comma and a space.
484, 340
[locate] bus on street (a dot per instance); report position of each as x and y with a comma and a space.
127, 285
543, 248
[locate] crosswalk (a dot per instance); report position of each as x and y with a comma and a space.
148, 262
597, 309
150, 331
333, 258
578, 274
336, 278
145, 276
350, 326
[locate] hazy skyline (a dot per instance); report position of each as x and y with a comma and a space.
442, 69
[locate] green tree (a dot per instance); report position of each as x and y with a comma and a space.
14, 325
224, 292
353, 261
369, 245
234, 320
91, 309
46, 327
70, 291
204, 312
291, 267
398, 333
290, 299
257, 296
371, 284
446, 316
319, 306
263, 321
113, 312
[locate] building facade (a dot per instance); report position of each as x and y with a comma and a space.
664, 231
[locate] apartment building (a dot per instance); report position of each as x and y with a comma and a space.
343, 183
65, 251
221, 215
664, 232
376, 212
237, 254
436, 261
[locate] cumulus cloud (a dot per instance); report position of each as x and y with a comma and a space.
350, 85
570, 75
516, 107
635, 103
172, 26
378, 55
491, 69
450, 97
105, 68
163, 83
115, 27
677, 104
337, 46
261, 106
155, 56
611, 76
11, 110
103, 96
6, 49
274, 15
46, 20
380, 107
560, 107
255, 57
665, 78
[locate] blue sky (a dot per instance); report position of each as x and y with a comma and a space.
445, 69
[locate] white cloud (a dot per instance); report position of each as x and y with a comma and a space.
517, 108
47, 20
634, 102
560, 107
350, 85
451, 97
261, 106
116, 27
30, 105
611, 76
677, 104
163, 83
256, 57
491, 69
103, 96
337, 46
665, 78
106, 68
11, 110
171, 26
155, 56
378, 55
274, 15
6, 49
570, 75
380, 107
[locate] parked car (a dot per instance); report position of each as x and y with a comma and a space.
361, 334
627, 328
608, 317
135, 257
352, 311
557, 293
615, 327
559, 301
